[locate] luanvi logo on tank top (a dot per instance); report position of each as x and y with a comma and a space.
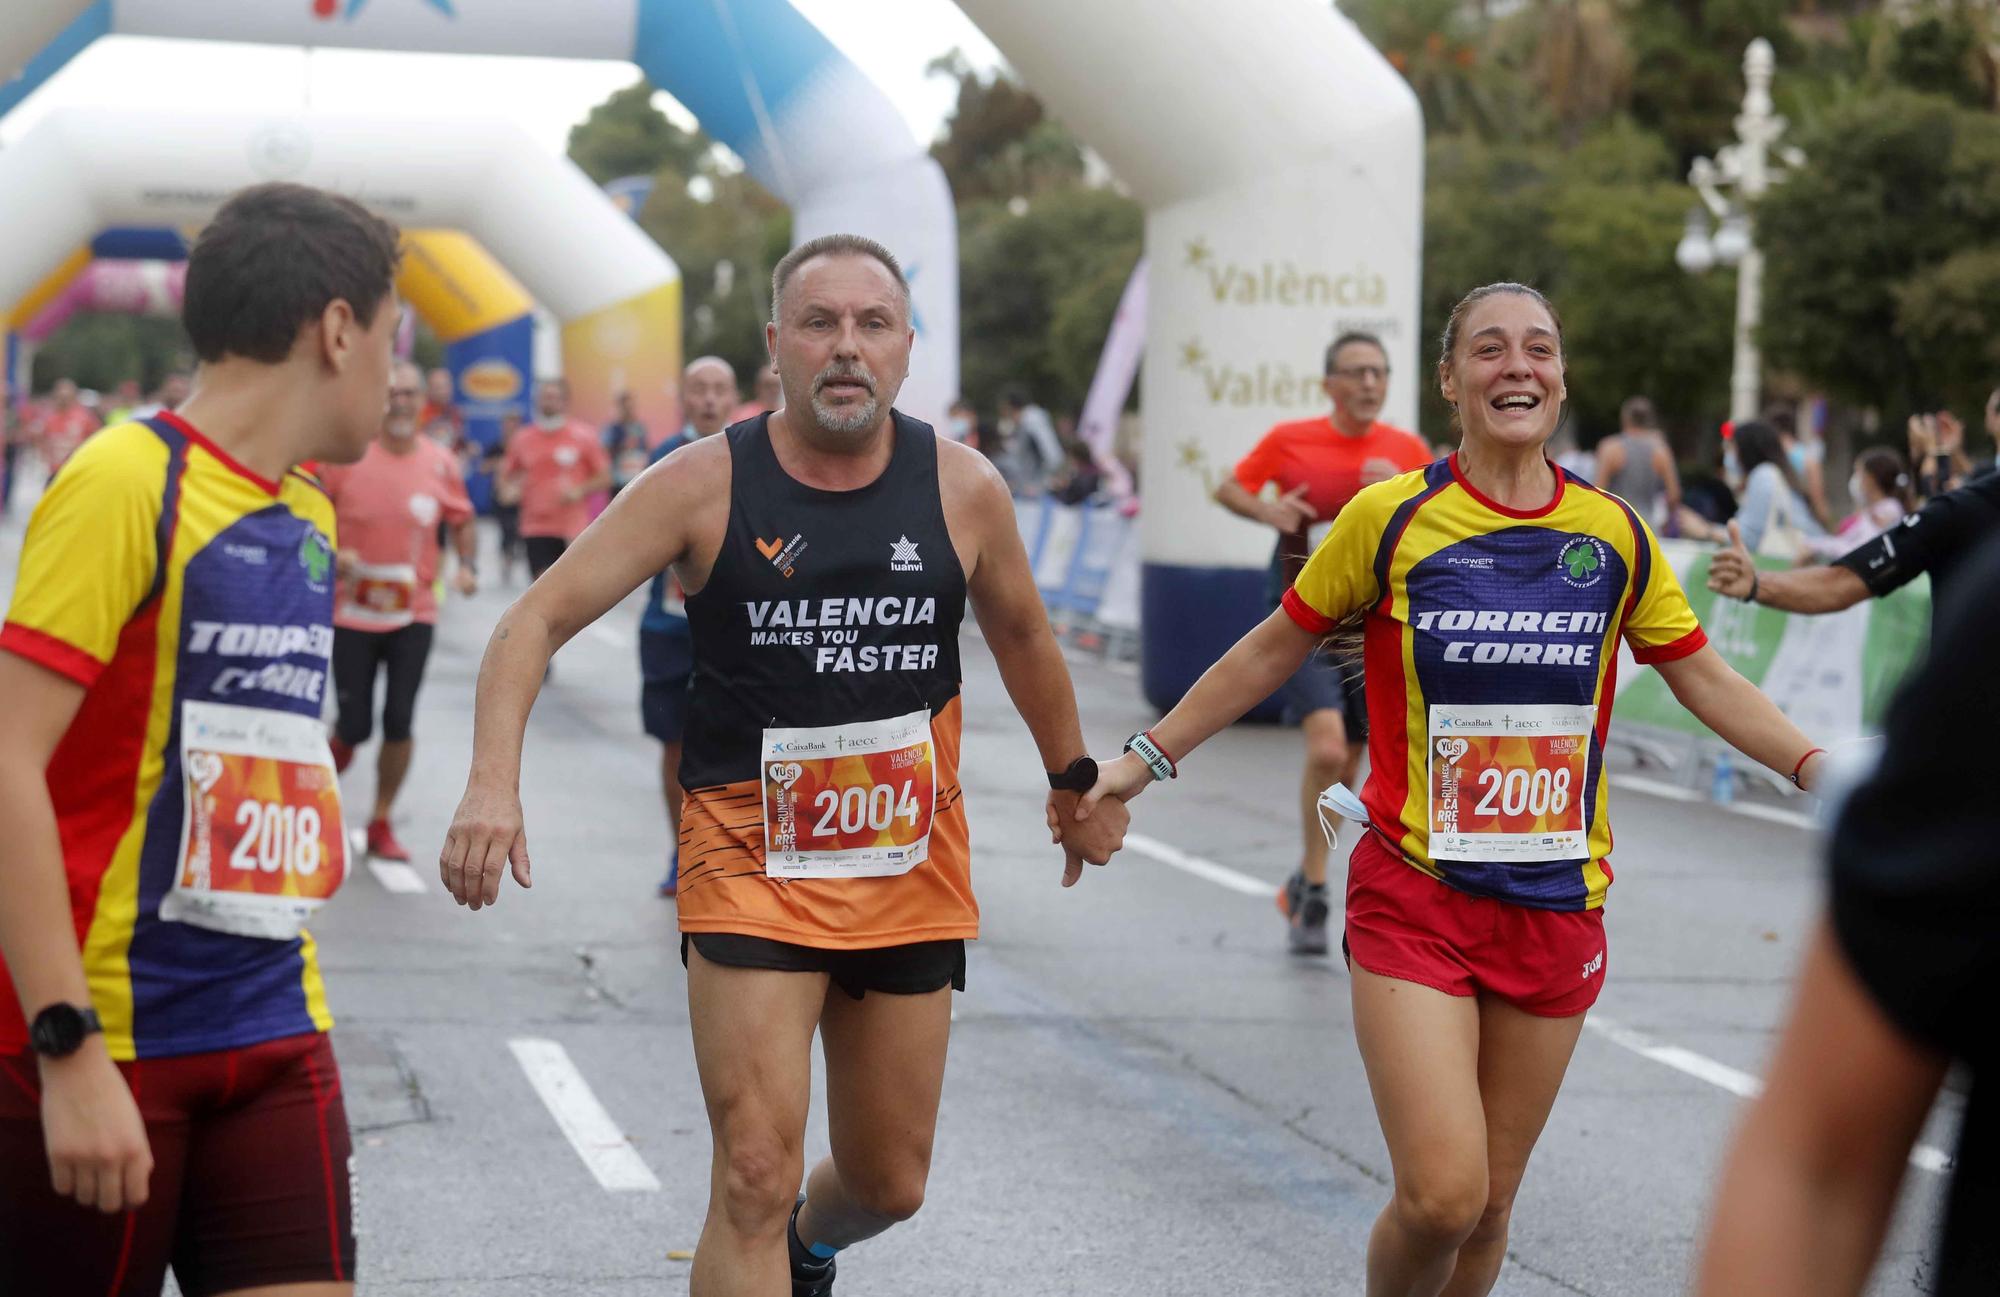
903, 556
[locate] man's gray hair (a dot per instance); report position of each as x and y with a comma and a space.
834, 245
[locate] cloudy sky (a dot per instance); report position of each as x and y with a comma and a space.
890, 40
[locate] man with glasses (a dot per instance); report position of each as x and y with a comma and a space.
1317, 466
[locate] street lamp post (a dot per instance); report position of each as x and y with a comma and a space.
1746, 166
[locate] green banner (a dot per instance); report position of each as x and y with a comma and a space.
1833, 674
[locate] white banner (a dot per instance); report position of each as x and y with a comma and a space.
1248, 286
1117, 366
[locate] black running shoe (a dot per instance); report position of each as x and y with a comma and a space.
1305, 908
811, 1277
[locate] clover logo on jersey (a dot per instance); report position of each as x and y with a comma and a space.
1582, 562
316, 557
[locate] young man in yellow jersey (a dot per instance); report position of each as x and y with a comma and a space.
169, 802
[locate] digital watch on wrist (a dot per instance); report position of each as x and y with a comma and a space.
1080, 776
1142, 746
60, 1029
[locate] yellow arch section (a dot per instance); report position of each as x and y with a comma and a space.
45, 292
456, 285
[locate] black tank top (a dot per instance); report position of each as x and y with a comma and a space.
823, 607
826, 611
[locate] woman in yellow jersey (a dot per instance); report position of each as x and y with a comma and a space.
1492, 590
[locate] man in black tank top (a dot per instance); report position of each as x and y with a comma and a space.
828, 550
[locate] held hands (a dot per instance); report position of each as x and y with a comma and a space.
1095, 823
485, 836
1731, 571
1095, 841
98, 1153
1290, 512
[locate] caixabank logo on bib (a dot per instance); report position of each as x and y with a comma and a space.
1581, 562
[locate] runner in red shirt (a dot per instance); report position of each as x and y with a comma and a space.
385, 611
554, 465
64, 425
1318, 465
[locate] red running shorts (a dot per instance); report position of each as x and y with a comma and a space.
1402, 923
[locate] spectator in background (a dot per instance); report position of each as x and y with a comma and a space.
625, 441
63, 425
173, 390
1775, 517
440, 403
1079, 478
556, 465
766, 395
124, 399
1806, 454
1031, 436
10, 442
961, 424
1880, 489
1937, 449
506, 496
1636, 464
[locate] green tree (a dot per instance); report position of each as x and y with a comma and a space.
627, 136
1687, 81
1038, 289
998, 142
1594, 228
101, 351
1440, 48
723, 229
1900, 192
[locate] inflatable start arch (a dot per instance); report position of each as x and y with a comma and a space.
758, 76
1282, 177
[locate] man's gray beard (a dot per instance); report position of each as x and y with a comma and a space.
847, 420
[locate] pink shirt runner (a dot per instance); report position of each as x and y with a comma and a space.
548, 464
388, 507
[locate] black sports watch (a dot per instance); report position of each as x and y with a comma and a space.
59, 1030
1079, 777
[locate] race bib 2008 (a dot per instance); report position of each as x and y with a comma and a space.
1507, 782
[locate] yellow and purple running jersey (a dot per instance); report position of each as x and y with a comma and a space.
193, 600
1505, 624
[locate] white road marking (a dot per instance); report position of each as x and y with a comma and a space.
1679, 793
582, 1119
1699, 1066
1222, 875
1922, 1156
395, 876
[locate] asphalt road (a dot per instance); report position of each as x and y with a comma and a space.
1146, 1094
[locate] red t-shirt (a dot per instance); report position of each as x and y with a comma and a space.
1328, 463
550, 463
388, 507
62, 431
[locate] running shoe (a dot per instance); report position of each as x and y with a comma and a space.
382, 844
811, 1277
1305, 908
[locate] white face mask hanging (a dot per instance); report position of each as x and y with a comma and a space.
1338, 802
